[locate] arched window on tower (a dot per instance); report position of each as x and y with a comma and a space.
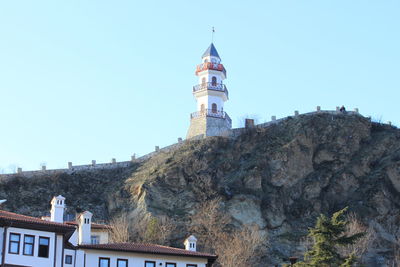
202, 108
214, 108
214, 81
203, 80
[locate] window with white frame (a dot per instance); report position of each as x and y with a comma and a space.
13, 247
149, 264
29, 241
44, 244
104, 262
68, 259
95, 239
122, 263
170, 264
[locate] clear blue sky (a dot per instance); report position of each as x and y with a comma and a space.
93, 79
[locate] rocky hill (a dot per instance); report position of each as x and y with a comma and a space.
279, 178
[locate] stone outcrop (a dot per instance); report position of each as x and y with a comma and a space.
279, 178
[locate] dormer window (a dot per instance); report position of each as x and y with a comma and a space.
95, 239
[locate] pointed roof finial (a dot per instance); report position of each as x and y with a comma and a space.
211, 51
212, 34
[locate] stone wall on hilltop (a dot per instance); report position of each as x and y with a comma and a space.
279, 178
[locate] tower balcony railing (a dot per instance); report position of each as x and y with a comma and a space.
211, 113
211, 86
210, 66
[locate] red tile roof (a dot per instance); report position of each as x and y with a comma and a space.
17, 220
94, 225
148, 248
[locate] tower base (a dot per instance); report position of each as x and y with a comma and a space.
208, 126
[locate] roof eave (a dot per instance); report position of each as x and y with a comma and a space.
209, 257
60, 229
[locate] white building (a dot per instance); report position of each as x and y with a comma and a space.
210, 119
33, 242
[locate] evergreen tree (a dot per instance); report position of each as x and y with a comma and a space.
328, 234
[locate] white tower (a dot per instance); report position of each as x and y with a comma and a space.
85, 227
191, 243
210, 119
57, 209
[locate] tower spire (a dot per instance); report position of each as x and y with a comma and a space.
212, 34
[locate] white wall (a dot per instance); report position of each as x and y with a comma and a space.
208, 100
202, 100
80, 259
1, 243
57, 209
137, 259
84, 227
71, 253
217, 100
208, 75
103, 235
34, 261
59, 250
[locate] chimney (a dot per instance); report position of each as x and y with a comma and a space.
249, 123
57, 209
190, 243
85, 225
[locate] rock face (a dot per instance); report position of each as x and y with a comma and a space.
279, 178
99, 191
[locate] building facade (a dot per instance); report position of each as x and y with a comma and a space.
52, 242
210, 119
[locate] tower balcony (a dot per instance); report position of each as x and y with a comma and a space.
210, 66
211, 86
211, 113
